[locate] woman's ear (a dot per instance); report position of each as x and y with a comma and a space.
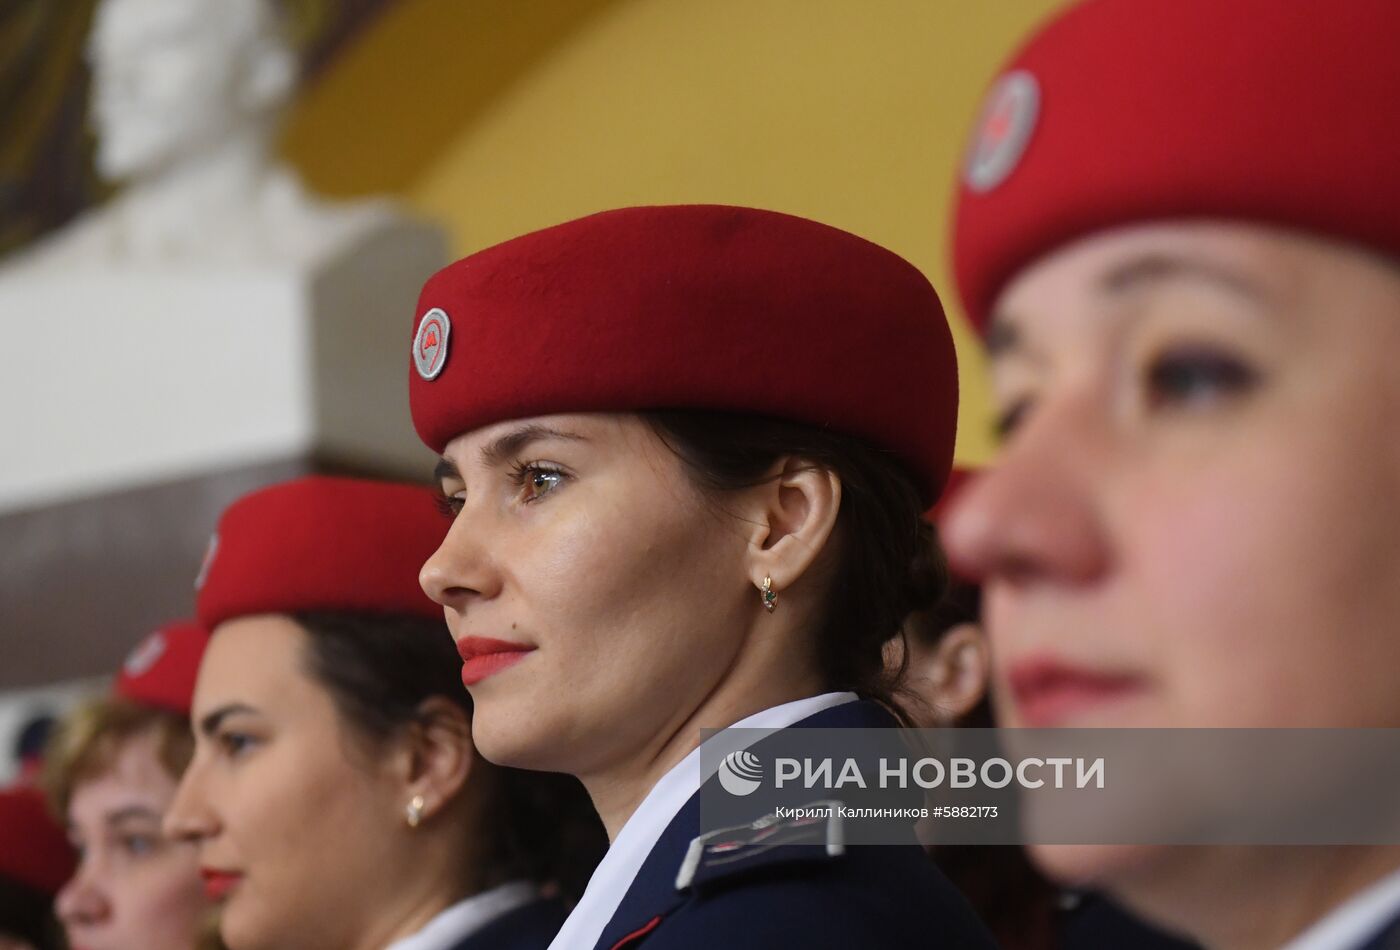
440, 756
792, 514
951, 676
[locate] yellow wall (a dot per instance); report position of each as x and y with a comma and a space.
499, 116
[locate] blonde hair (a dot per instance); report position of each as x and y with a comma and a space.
89, 739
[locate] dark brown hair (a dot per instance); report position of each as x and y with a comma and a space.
379, 669
886, 561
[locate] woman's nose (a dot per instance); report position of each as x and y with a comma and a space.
189, 817
83, 900
461, 569
1033, 516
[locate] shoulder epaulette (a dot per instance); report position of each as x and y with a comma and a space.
805, 833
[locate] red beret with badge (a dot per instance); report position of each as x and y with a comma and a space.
324, 544
1127, 111
34, 851
161, 671
691, 307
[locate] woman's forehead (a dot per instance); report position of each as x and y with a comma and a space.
251, 661
491, 443
134, 780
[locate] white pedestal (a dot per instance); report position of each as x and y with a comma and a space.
112, 378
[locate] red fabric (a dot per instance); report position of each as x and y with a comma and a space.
322, 543
34, 851
695, 306
161, 671
1257, 110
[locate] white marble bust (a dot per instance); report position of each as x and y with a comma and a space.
185, 100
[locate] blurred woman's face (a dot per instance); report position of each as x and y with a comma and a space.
615, 595
1195, 520
134, 888
296, 833
1195, 517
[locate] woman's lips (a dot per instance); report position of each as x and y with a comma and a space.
483, 656
217, 884
1047, 691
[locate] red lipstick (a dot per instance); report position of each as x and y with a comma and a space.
1047, 691
217, 884
483, 656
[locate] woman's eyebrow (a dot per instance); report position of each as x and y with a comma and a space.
1162, 267
445, 469
1003, 335
123, 815
513, 442
210, 723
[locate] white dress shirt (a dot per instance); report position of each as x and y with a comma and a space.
465, 918
1356, 921
639, 835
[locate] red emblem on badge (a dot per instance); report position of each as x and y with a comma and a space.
430, 343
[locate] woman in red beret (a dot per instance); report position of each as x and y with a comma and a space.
1179, 230
687, 449
335, 794
111, 770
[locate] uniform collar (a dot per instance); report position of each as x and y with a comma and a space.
660, 830
1357, 922
466, 917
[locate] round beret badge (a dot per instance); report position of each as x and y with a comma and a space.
430, 343
208, 562
1003, 131
145, 656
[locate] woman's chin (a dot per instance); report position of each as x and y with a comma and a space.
515, 739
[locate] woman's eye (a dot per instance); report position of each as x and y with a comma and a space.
536, 481
1196, 377
139, 845
449, 505
1008, 419
235, 744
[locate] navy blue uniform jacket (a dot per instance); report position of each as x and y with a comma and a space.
864, 899
1387, 939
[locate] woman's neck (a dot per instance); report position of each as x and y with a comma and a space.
423, 886
1258, 898
619, 790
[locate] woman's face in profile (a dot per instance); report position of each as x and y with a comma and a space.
1195, 518
296, 821
134, 889
580, 542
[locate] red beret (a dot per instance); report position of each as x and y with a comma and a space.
1124, 111
320, 543
161, 671
691, 307
34, 851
